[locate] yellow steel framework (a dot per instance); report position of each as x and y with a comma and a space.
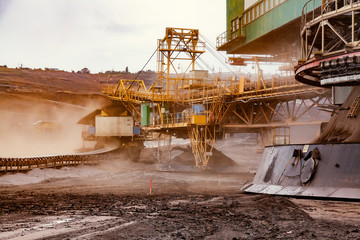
202, 139
181, 89
135, 91
179, 44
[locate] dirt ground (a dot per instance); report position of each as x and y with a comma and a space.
113, 201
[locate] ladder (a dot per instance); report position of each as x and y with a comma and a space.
352, 113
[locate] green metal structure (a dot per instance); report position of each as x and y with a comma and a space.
234, 9
266, 27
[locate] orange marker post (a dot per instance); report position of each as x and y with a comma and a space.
219, 179
150, 186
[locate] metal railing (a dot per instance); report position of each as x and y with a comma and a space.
274, 87
249, 15
203, 90
227, 36
171, 120
310, 10
180, 46
314, 20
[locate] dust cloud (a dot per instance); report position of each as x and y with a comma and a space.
38, 127
49, 174
119, 174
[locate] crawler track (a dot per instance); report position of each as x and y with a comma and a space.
55, 161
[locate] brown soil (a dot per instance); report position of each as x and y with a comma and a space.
117, 205
217, 161
112, 201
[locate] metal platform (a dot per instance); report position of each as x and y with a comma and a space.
262, 26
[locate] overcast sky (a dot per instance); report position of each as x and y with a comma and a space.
98, 34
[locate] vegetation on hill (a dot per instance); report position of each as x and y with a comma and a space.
54, 80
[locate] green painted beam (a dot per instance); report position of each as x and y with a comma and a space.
277, 17
283, 19
234, 9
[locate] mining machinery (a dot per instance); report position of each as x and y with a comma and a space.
202, 107
330, 165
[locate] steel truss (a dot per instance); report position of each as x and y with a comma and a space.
268, 117
163, 150
332, 28
277, 111
202, 139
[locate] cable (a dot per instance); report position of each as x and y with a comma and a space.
146, 63
217, 53
138, 74
212, 49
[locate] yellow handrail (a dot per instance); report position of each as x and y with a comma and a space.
135, 91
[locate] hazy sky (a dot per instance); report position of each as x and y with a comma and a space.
98, 34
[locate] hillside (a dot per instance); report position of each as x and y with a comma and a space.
38, 80
30, 96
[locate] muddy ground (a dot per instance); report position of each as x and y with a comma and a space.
114, 202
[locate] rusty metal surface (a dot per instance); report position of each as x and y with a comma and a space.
337, 174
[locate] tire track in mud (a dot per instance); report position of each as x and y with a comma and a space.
60, 227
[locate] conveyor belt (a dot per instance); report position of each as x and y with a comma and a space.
22, 164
